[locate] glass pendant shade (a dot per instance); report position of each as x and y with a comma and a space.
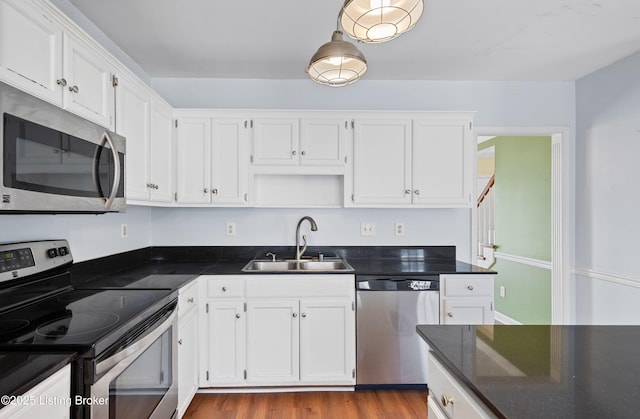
337, 63
375, 21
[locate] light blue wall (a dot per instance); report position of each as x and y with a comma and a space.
608, 194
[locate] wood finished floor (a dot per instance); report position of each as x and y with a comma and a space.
365, 404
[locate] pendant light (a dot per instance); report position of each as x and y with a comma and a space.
375, 21
337, 63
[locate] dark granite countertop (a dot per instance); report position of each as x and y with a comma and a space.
544, 371
173, 267
21, 371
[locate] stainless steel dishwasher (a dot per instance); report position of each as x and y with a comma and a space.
389, 351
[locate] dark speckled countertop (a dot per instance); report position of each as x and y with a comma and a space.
544, 371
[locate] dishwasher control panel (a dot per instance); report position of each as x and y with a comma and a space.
398, 283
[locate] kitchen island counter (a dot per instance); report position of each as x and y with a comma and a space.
543, 371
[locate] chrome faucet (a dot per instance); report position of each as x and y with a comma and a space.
314, 227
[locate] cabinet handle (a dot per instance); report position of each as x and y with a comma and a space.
237, 316
417, 192
62, 82
179, 341
190, 300
295, 314
450, 314
470, 287
149, 185
74, 89
293, 153
224, 289
155, 186
446, 400
304, 314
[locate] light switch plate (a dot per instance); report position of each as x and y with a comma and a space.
367, 229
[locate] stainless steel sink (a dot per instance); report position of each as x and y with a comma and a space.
333, 265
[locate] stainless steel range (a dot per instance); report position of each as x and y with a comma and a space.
125, 339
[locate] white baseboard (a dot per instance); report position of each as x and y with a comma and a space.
504, 319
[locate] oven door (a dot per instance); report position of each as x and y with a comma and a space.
140, 381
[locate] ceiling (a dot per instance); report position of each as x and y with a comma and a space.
454, 40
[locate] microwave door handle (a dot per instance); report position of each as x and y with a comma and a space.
116, 163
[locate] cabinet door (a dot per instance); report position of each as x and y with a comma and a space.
381, 162
224, 355
273, 342
187, 359
442, 162
30, 50
161, 153
323, 141
194, 160
229, 161
133, 108
89, 91
467, 311
275, 141
327, 342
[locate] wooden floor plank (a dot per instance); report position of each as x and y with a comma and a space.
369, 404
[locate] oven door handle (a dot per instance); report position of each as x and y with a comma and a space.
136, 348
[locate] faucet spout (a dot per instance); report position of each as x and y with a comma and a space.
314, 227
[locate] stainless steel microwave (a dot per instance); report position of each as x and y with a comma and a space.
56, 162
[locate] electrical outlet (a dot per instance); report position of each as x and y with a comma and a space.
123, 231
230, 228
367, 229
399, 229
503, 291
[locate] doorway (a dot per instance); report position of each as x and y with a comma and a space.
556, 263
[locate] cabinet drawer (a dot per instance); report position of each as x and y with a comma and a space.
227, 287
454, 400
466, 286
188, 297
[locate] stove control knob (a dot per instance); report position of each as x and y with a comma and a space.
52, 253
63, 251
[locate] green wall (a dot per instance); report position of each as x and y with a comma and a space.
523, 225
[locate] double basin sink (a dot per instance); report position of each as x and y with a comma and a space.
332, 265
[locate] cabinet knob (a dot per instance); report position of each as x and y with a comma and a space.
179, 341
446, 400
295, 314
190, 300
155, 186
304, 153
224, 289
304, 314
293, 153
407, 191
214, 191
237, 316
417, 192
62, 82
74, 89
450, 314
470, 287
205, 190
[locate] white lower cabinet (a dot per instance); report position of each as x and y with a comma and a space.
187, 345
57, 387
448, 398
278, 330
467, 299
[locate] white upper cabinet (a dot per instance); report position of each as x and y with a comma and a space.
30, 50
306, 141
133, 115
275, 141
382, 161
146, 122
442, 164
426, 161
39, 57
212, 160
89, 89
